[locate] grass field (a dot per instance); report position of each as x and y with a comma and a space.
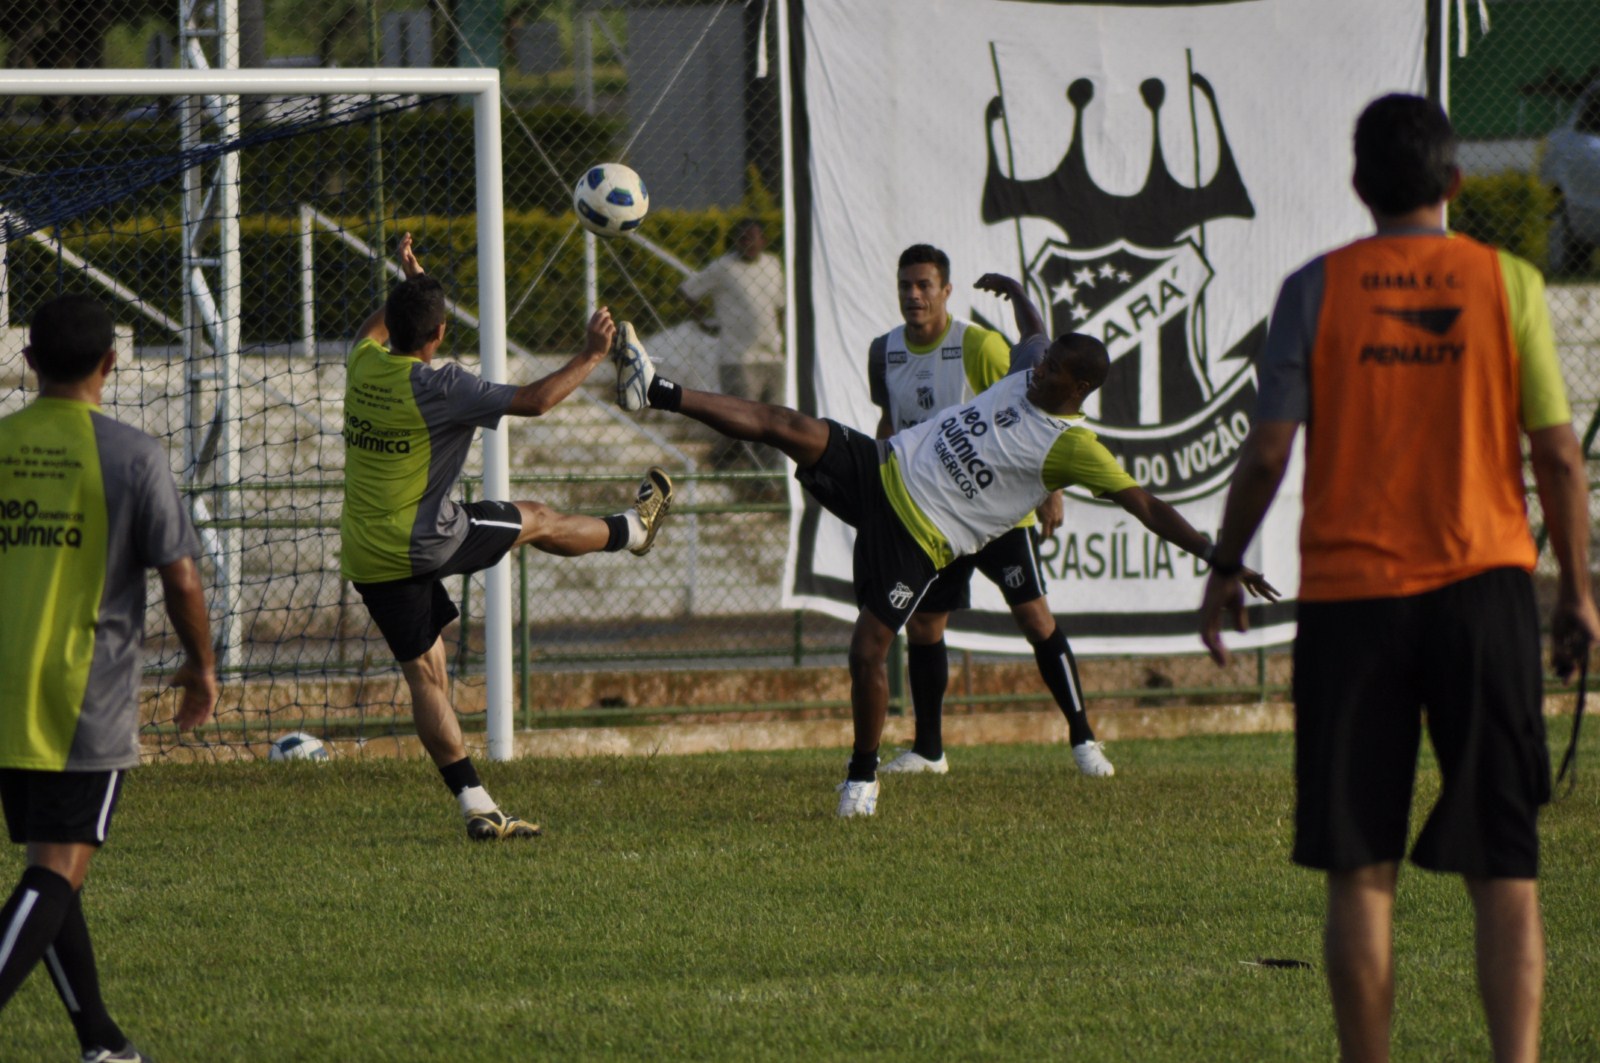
713, 908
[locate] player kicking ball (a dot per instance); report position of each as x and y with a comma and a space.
911, 375
409, 425
927, 495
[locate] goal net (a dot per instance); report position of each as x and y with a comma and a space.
240, 226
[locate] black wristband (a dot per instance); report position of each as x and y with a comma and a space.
1225, 568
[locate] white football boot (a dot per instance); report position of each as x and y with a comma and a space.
635, 371
858, 798
1091, 758
912, 763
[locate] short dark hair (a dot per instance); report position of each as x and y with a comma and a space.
68, 336
1085, 357
414, 309
917, 254
742, 224
1405, 154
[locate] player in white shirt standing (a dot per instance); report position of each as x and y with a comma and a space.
741, 294
930, 362
928, 495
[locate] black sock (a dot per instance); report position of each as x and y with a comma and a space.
70, 961
863, 767
617, 526
929, 666
1060, 671
30, 921
663, 394
460, 776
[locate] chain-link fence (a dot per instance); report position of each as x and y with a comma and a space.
124, 196
1525, 98
685, 93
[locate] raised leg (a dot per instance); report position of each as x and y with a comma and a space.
562, 534
800, 436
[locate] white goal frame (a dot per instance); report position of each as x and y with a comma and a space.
482, 88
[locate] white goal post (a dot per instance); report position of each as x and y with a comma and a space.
482, 88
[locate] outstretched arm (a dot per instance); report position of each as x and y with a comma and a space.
1262, 461
1161, 518
543, 395
375, 328
1029, 321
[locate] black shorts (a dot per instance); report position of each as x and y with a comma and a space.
891, 570
412, 612
59, 806
1011, 563
1365, 673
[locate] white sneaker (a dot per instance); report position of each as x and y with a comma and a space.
911, 762
858, 798
1091, 758
635, 371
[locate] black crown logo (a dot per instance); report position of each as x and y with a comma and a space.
1155, 216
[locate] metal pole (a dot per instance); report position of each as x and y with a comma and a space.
583, 82
308, 289
380, 239
496, 452
897, 675
524, 643
230, 279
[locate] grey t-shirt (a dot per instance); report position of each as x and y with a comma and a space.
90, 506
408, 431
1283, 373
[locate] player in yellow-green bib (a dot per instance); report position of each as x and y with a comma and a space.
87, 506
408, 427
927, 495
931, 362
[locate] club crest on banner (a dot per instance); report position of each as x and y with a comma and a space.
1132, 272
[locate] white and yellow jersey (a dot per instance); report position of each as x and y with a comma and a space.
964, 478
911, 383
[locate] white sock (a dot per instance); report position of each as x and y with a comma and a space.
475, 799
636, 529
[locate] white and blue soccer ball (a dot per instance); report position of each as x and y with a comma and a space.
297, 745
610, 199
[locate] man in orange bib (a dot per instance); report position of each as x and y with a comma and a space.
1417, 359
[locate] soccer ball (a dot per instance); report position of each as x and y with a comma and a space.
610, 199
297, 745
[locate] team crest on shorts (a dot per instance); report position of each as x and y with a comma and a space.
900, 596
1133, 273
1013, 576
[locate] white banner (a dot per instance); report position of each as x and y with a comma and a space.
1152, 173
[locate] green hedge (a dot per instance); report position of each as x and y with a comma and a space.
1509, 210
633, 282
